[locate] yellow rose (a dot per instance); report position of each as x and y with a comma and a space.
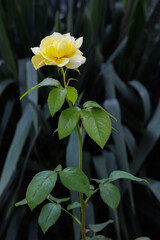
58, 49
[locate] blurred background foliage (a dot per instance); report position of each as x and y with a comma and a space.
122, 73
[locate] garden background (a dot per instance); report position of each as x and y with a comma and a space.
122, 73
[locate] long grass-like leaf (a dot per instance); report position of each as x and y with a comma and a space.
96, 17
14, 225
154, 186
117, 51
5, 47
33, 96
16, 147
149, 138
33, 229
100, 167
42, 116
130, 140
4, 84
6, 117
113, 107
137, 21
142, 91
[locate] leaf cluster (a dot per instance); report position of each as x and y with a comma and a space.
74, 179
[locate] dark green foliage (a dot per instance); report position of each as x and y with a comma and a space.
49, 215
122, 47
74, 179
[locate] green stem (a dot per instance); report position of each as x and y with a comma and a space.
76, 219
90, 196
82, 223
65, 85
83, 232
80, 146
64, 77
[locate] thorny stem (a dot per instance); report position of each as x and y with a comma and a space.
80, 146
82, 223
83, 232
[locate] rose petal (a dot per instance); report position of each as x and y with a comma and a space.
67, 35
38, 61
57, 35
79, 52
47, 58
62, 62
59, 49
79, 42
47, 41
36, 50
62, 48
50, 63
76, 61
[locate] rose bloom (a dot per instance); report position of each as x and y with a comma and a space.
58, 49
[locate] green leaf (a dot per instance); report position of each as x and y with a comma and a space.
73, 205
142, 238
92, 104
56, 100
49, 215
45, 82
58, 200
71, 79
74, 179
92, 190
100, 226
118, 174
20, 203
40, 187
55, 131
99, 180
91, 187
110, 194
68, 121
58, 168
72, 94
97, 124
